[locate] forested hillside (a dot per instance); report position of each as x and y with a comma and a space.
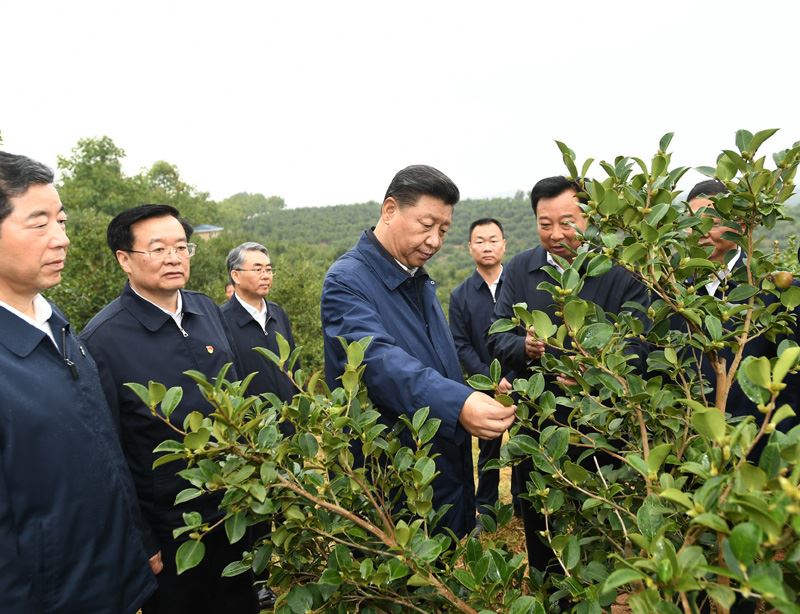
303, 242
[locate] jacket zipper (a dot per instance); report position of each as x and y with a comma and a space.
72, 366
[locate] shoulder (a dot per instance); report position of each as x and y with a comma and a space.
103, 319
200, 301
276, 309
522, 262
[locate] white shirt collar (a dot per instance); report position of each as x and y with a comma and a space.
552, 261
411, 271
42, 310
259, 315
177, 316
714, 284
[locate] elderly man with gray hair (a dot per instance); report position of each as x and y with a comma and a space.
255, 322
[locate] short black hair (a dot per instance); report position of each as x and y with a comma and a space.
17, 174
421, 180
708, 188
550, 187
119, 234
483, 222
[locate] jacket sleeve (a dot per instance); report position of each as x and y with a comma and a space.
15, 585
509, 347
94, 345
395, 379
471, 363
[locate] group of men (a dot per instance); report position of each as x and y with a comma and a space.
86, 522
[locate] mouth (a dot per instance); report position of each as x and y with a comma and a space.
57, 265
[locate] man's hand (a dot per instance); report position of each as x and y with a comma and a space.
504, 387
484, 417
156, 565
534, 348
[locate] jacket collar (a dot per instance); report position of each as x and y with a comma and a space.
382, 262
241, 316
476, 281
537, 258
150, 316
21, 338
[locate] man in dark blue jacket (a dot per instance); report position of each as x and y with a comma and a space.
471, 308
380, 289
255, 322
559, 218
155, 331
68, 537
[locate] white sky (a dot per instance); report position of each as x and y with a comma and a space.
322, 102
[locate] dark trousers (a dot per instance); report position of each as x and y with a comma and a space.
202, 590
486, 495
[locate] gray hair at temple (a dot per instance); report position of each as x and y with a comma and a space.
17, 174
236, 255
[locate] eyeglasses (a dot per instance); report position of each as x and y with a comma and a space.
160, 253
258, 270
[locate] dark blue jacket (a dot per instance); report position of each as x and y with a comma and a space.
68, 539
471, 309
132, 340
247, 334
524, 273
411, 362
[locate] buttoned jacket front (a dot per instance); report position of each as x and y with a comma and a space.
132, 340
68, 536
411, 362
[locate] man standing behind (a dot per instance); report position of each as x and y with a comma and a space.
471, 308
68, 541
380, 289
254, 321
559, 222
155, 331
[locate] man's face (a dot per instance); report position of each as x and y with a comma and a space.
487, 245
415, 233
714, 239
255, 281
151, 275
33, 243
556, 220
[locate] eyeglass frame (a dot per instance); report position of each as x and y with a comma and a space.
191, 250
270, 270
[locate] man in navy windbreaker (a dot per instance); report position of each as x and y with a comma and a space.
155, 330
68, 537
381, 290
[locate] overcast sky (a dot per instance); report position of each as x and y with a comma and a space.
322, 102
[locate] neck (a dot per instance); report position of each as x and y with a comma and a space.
21, 301
381, 234
255, 301
166, 300
489, 274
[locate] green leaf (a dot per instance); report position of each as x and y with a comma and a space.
742, 293
595, 336
308, 445
543, 327
480, 382
235, 526
620, 577
599, 265
575, 314
676, 496
300, 600
758, 370
657, 456
355, 354
170, 400
790, 298
157, 391
721, 595
663, 144
786, 361
198, 440
420, 416
759, 138
140, 391
712, 521
495, 371
745, 540
189, 555
501, 326
709, 423
526, 605
714, 327
187, 494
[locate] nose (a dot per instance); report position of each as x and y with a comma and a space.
433, 240
59, 240
172, 255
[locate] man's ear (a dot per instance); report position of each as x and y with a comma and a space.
235, 278
124, 259
389, 209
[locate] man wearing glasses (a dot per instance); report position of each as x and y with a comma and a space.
255, 322
155, 330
